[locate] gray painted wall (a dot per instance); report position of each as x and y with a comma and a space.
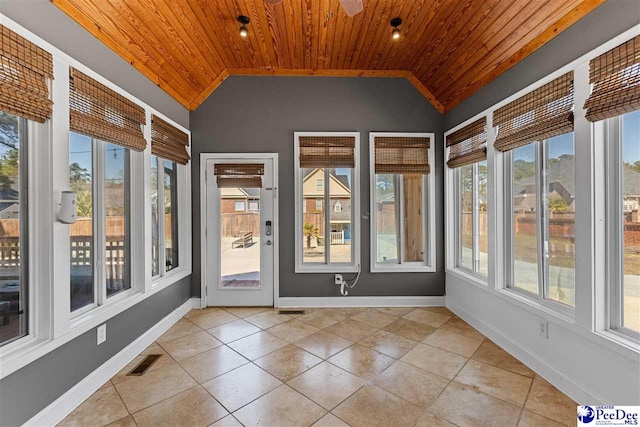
47, 21
29, 390
260, 114
600, 26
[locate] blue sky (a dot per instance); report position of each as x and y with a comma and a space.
631, 136
80, 152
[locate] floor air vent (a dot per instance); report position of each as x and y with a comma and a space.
144, 366
290, 311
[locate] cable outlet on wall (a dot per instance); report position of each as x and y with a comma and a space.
543, 328
339, 279
102, 333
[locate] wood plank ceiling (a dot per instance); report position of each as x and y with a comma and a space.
449, 49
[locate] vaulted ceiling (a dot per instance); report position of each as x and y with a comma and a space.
449, 48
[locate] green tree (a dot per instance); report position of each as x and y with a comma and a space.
310, 232
557, 203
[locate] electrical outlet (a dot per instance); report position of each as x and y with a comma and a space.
102, 333
543, 328
339, 279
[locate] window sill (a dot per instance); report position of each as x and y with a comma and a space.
326, 269
29, 349
402, 268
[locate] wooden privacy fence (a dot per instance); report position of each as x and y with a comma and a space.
234, 224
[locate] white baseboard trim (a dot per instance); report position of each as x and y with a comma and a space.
575, 391
196, 303
65, 404
322, 302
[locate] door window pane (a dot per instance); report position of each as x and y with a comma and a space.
13, 239
117, 216
313, 223
525, 218
465, 176
155, 220
82, 231
240, 240
631, 220
340, 214
386, 218
171, 214
559, 247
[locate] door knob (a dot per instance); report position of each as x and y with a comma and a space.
268, 242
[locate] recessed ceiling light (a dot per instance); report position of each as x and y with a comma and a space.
395, 23
244, 20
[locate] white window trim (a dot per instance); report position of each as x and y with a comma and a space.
429, 264
612, 143
335, 267
236, 206
50, 319
452, 180
591, 318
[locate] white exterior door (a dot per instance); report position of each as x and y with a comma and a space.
240, 234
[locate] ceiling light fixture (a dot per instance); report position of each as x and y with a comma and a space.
395, 23
244, 20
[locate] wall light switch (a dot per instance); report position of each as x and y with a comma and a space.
102, 333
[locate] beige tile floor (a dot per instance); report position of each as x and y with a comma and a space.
330, 367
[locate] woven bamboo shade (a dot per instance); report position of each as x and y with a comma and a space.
169, 142
327, 152
99, 112
468, 145
239, 175
615, 76
402, 155
24, 69
541, 114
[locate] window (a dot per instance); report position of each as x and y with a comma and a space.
402, 189
239, 207
471, 218
14, 307
164, 198
99, 270
254, 206
326, 176
468, 170
624, 221
542, 219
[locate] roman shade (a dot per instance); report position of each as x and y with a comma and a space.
327, 151
615, 76
100, 112
24, 70
544, 113
401, 155
239, 175
468, 145
169, 142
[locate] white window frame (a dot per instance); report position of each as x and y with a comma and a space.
455, 179
328, 267
162, 254
51, 321
542, 232
99, 232
239, 203
615, 227
428, 265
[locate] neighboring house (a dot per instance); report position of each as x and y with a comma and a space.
238, 200
525, 200
313, 192
9, 206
